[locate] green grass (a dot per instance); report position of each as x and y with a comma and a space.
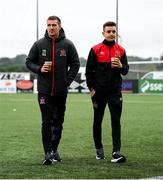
21, 151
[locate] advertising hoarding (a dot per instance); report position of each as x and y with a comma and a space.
151, 86
7, 86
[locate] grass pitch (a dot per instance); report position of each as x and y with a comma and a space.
21, 151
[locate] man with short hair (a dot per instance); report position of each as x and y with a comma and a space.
55, 60
107, 61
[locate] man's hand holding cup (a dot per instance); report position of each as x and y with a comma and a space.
46, 67
116, 63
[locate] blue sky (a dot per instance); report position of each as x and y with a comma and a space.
140, 24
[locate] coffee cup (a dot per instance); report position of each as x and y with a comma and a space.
48, 64
114, 61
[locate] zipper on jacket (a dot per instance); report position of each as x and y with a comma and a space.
52, 74
110, 53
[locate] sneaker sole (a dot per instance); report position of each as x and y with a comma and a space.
98, 158
119, 160
54, 160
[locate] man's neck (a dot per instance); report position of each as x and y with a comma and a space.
108, 43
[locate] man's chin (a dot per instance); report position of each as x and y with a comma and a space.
52, 36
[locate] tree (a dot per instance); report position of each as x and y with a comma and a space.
82, 62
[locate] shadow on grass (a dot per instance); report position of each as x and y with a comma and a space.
78, 167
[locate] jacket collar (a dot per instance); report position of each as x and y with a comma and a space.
109, 43
61, 35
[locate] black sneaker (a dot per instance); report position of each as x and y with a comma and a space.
48, 159
100, 154
56, 157
117, 157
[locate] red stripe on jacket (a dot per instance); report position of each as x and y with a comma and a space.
53, 49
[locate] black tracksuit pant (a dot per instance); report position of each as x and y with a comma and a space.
52, 111
115, 106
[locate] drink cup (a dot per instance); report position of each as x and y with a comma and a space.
49, 64
114, 61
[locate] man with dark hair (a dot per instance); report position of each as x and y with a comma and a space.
55, 60
106, 63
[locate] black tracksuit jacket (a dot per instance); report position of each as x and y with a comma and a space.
65, 63
99, 74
